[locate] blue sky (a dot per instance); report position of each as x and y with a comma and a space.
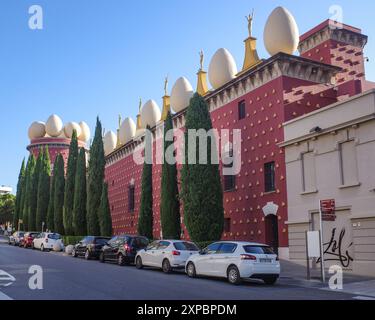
98, 57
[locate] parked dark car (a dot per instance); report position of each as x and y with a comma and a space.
28, 238
15, 238
89, 247
123, 249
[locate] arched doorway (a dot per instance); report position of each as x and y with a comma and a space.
272, 232
272, 225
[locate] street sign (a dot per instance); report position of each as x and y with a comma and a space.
327, 209
327, 205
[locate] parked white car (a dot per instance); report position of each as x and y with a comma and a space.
46, 241
166, 254
235, 261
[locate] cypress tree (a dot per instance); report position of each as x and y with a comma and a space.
59, 194
34, 192
20, 189
51, 206
23, 194
105, 219
95, 180
69, 185
80, 196
201, 191
145, 220
170, 203
43, 190
28, 181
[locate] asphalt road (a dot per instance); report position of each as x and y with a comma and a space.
67, 278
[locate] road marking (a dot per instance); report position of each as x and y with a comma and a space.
363, 298
3, 297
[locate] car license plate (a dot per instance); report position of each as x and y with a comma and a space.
264, 260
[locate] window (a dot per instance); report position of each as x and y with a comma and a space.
308, 172
269, 177
185, 246
101, 241
229, 179
213, 248
163, 245
153, 245
227, 248
131, 198
348, 163
227, 225
54, 236
242, 110
258, 250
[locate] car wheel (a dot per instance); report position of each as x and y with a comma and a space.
138, 263
120, 260
234, 275
87, 255
101, 257
270, 280
166, 266
191, 270
74, 253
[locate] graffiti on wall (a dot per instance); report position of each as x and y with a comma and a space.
334, 250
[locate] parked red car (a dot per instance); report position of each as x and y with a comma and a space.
27, 241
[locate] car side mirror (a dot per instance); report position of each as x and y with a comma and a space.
202, 252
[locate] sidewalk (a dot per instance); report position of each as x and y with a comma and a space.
295, 274
3, 239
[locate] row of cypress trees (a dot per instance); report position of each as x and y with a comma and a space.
200, 192
64, 202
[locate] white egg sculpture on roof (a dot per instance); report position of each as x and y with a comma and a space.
222, 68
54, 126
110, 142
37, 130
127, 130
69, 127
150, 114
181, 94
85, 132
281, 32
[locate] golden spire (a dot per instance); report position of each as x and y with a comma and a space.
166, 101
251, 54
202, 87
139, 124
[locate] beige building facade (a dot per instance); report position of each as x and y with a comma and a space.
330, 154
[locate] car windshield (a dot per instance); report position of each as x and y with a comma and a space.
101, 241
21, 234
258, 249
185, 246
54, 236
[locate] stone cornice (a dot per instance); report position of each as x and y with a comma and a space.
329, 33
279, 65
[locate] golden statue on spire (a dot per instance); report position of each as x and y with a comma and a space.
119, 120
201, 54
250, 19
166, 86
